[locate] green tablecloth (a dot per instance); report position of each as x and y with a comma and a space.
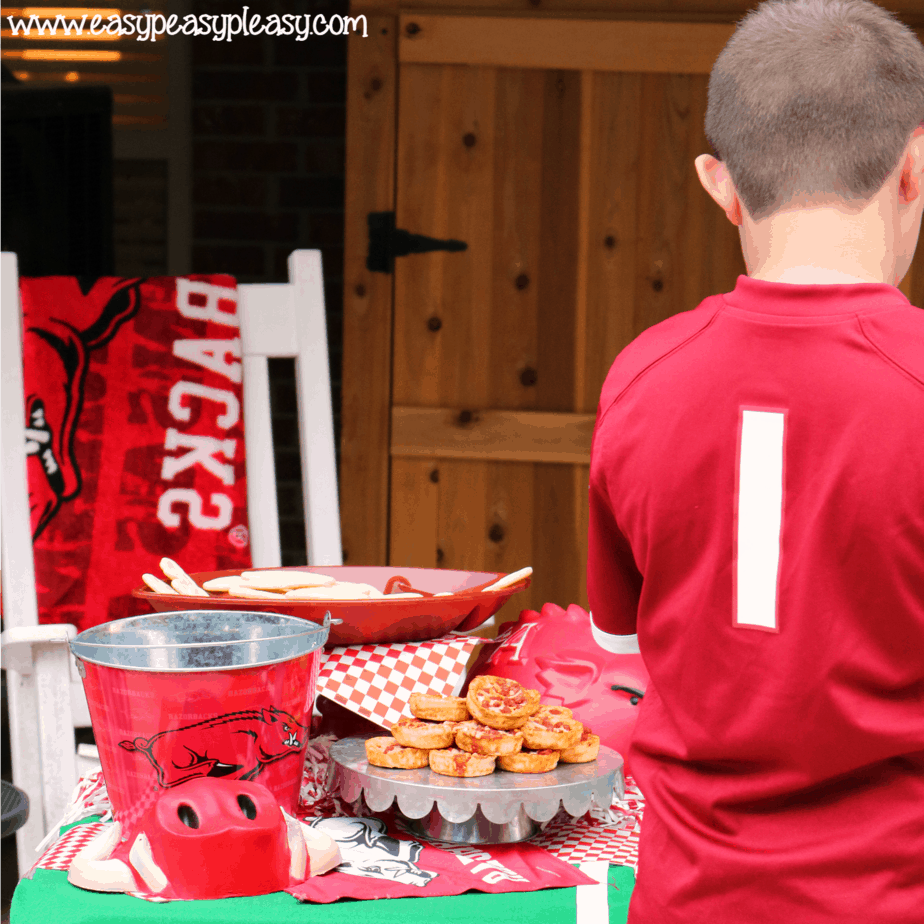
49, 897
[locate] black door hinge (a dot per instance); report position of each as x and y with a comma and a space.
387, 242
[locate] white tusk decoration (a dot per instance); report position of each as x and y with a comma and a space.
93, 869
323, 852
143, 861
298, 864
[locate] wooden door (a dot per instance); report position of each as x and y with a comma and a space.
561, 151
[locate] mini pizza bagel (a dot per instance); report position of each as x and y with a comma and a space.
584, 751
545, 731
456, 762
529, 761
387, 752
481, 739
439, 708
500, 702
556, 712
417, 733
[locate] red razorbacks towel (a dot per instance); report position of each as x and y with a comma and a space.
135, 439
379, 861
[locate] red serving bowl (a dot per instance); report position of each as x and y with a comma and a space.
370, 621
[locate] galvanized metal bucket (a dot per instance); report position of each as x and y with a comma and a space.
199, 640
179, 696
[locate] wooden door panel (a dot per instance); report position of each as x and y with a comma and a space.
572, 44
558, 233
615, 166
510, 522
462, 516
444, 190
657, 244
494, 516
372, 75
414, 508
516, 217
556, 543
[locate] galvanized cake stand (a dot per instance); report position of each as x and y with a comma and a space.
501, 808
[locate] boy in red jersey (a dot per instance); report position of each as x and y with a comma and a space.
757, 499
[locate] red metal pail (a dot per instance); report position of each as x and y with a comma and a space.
180, 696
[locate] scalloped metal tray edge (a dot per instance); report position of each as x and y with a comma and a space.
501, 796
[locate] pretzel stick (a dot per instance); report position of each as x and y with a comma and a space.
508, 580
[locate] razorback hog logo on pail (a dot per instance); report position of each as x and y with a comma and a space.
237, 745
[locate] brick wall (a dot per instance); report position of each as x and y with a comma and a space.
268, 117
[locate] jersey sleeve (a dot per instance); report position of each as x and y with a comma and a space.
613, 580
614, 583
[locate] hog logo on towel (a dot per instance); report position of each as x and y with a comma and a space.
94, 313
368, 851
237, 745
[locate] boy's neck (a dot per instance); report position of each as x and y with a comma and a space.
824, 245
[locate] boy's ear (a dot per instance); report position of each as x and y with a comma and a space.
912, 169
715, 178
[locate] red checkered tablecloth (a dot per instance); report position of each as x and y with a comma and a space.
376, 681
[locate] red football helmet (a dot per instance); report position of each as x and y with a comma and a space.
555, 653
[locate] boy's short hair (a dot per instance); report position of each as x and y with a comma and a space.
814, 99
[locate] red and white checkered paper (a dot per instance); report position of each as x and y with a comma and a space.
610, 835
376, 681
62, 853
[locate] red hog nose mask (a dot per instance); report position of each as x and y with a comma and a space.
208, 838
555, 653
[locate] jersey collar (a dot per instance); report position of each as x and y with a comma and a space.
796, 300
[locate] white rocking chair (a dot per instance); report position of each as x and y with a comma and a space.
46, 699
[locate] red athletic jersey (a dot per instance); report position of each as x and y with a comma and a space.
757, 517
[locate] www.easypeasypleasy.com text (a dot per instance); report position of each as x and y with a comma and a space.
222, 27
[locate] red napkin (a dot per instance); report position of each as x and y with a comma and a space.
382, 862
135, 436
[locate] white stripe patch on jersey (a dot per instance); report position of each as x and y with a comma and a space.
760, 517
